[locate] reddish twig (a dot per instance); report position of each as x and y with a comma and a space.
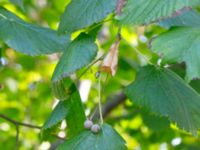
120, 5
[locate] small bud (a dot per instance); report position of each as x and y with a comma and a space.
95, 128
97, 74
88, 124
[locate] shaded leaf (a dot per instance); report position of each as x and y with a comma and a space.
156, 123
180, 45
83, 13
27, 38
163, 92
19, 3
59, 113
106, 139
140, 12
77, 55
187, 18
195, 84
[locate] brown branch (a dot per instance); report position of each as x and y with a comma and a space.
112, 103
16, 123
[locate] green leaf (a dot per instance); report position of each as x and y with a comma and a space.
164, 93
76, 116
70, 109
155, 123
180, 45
140, 12
27, 38
77, 55
190, 18
19, 3
106, 139
59, 89
83, 13
59, 113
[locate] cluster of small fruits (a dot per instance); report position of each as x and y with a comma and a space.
95, 128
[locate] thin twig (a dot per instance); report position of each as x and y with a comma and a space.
120, 5
119, 37
99, 100
112, 102
94, 62
140, 54
17, 137
98, 24
19, 123
93, 113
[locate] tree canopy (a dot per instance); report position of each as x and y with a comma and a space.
99, 74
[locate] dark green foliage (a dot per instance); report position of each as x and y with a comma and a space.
163, 92
190, 18
78, 54
140, 12
83, 13
106, 139
186, 51
27, 38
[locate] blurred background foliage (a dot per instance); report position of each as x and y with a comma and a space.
26, 96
